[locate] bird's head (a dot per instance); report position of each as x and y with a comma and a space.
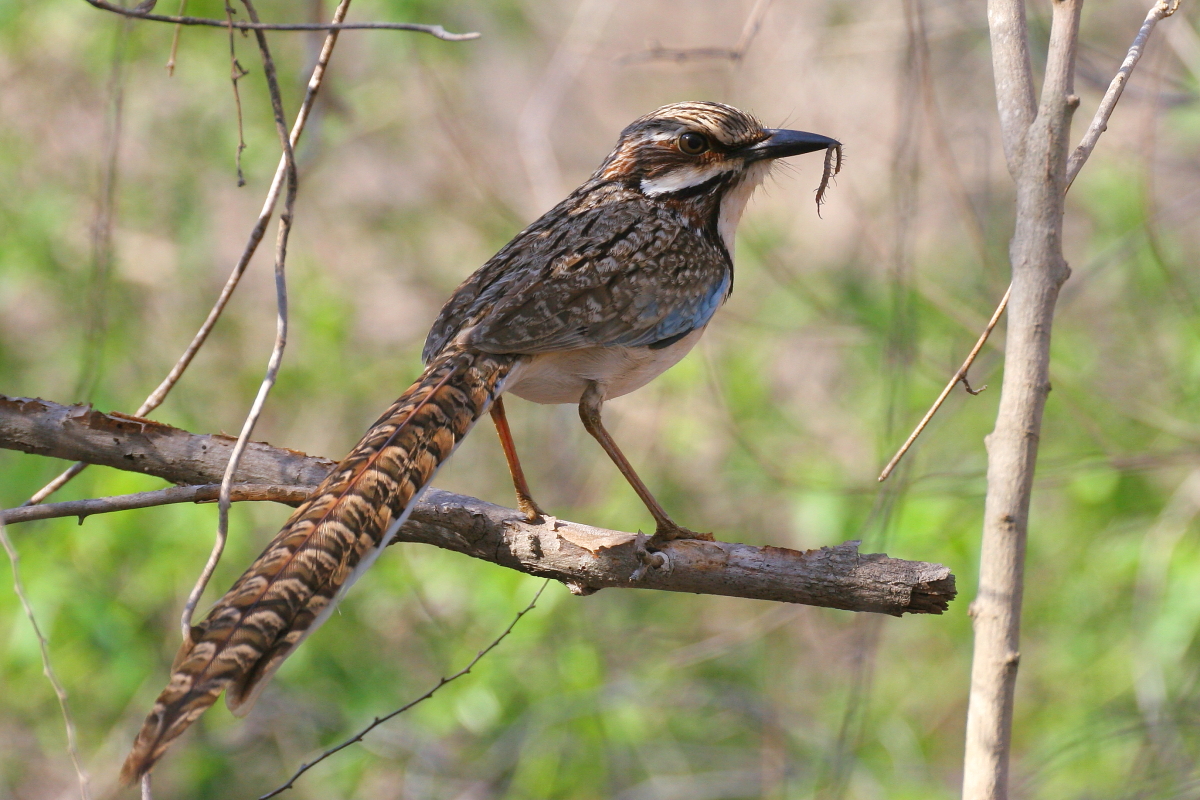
704, 158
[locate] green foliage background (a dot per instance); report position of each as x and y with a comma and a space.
423, 159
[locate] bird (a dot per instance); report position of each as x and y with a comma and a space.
592, 301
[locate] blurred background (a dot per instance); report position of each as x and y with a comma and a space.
120, 218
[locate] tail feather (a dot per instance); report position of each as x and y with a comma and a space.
335, 534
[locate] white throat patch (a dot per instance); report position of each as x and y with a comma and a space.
735, 199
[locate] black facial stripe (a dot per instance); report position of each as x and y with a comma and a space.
689, 192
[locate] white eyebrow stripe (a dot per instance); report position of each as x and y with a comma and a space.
679, 179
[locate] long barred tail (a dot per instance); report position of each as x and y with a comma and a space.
330, 539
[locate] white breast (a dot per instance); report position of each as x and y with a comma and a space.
561, 377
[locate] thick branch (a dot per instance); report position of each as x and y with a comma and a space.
1013, 75
583, 557
1038, 270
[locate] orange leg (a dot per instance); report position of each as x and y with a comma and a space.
589, 413
524, 500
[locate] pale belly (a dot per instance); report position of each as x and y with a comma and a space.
562, 377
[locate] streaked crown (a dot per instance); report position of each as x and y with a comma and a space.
685, 150
682, 144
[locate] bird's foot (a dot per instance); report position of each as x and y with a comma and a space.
669, 531
649, 560
532, 511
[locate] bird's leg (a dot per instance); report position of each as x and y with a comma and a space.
525, 502
589, 413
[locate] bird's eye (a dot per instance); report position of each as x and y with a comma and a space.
693, 143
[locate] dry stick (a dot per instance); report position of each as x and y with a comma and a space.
236, 73
961, 375
14, 560
750, 29
1099, 125
433, 30
1161, 10
281, 330
380, 720
977, 235
204, 493
156, 398
832, 577
175, 42
1036, 147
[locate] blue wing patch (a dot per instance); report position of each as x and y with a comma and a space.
693, 313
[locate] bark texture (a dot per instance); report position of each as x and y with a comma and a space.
583, 557
1036, 147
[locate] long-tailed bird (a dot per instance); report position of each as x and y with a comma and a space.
595, 299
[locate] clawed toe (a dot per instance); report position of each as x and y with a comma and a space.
666, 533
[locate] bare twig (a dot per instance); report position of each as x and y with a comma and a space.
1161, 10
960, 376
14, 560
175, 41
537, 117
656, 52
580, 555
145, 787
236, 73
358, 737
207, 493
281, 332
433, 30
156, 398
102, 254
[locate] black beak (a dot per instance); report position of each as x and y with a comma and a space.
783, 143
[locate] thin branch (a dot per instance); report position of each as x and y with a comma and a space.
96, 322
156, 398
236, 73
207, 493
580, 556
1161, 10
175, 42
433, 30
358, 737
281, 331
960, 376
14, 560
750, 29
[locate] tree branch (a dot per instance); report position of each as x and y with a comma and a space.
1013, 75
1037, 156
156, 398
583, 557
1161, 10
238, 492
433, 30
